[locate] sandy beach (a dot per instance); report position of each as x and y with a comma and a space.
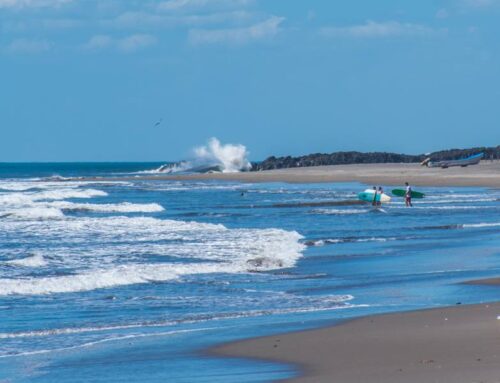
487, 173
459, 344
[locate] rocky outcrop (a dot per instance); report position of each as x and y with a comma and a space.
346, 158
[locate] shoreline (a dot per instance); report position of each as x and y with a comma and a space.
452, 344
495, 281
485, 174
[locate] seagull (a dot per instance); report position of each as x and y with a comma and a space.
159, 122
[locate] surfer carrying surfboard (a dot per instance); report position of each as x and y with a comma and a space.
374, 202
380, 192
408, 195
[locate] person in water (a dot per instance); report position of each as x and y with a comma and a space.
380, 192
374, 202
408, 195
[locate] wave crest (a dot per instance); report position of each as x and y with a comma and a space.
34, 260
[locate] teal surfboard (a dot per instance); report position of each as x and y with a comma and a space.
402, 193
367, 196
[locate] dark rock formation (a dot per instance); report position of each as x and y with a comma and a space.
346, 158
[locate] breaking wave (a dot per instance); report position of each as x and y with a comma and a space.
124, 207
90, 253
340, 211
474, 225
32, 213
31, 201
332, 241
460, 226
451, 207
118, 261
23, 198
35, 260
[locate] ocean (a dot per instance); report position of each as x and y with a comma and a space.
113, 281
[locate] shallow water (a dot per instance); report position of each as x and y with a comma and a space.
129, 281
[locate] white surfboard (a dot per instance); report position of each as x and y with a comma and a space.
384, 198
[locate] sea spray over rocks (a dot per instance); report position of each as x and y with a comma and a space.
213, 157
233, 158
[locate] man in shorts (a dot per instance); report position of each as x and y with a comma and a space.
408, 195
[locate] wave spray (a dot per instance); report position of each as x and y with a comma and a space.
214, 156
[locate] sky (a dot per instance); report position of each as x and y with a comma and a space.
90, 80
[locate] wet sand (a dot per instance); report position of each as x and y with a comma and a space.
487, 173
459, 344
486, 282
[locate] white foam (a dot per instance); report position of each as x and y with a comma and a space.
19, 199
304, 304
105, 340
115, 259
33, 213
465, 200
330, 241
35, 260
124, 207
76, 330
491, 224
30, 184
168, 168
117, 276
452, 207
67, 193
375, 239
179, 186
104, 252
340, 211
319, 242
327, 303
40, 205
455, 196
17, 186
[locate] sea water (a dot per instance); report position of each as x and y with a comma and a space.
113, 281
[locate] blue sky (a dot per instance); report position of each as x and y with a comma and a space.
88, 80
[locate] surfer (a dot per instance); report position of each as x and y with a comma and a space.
374, 202
408, 195
380, 192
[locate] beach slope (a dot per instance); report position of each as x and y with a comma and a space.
459, 344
